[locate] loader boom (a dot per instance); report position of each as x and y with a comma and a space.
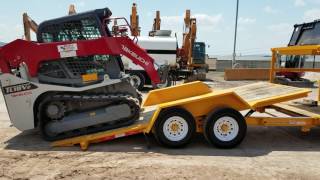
11, 58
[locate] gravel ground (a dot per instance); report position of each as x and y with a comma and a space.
272, 153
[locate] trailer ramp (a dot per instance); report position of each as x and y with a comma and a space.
264, 94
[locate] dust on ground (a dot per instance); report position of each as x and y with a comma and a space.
272, 153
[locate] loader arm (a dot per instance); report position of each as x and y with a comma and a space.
32, 54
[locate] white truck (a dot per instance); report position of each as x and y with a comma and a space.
161, 48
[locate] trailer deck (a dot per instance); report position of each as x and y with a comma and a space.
198, 99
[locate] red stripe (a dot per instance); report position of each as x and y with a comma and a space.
107, 138
132, 133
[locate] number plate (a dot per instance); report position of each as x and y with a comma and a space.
90, 77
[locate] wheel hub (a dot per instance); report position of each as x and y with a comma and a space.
226, 128
175, 128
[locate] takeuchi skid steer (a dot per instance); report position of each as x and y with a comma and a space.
71, 82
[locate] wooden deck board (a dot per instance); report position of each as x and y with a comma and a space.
264, 90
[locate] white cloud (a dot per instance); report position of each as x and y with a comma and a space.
270, 10
206, 25
281, 28
315, 1
299, 3
203, 20
247, 20
149, 14
207, 20
311, 15
81, 3
171, 20
11, 32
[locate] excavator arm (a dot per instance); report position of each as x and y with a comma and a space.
32, 54
189, 37
72, 9
134, 21
28, 25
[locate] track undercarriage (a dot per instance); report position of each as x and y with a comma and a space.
64, 114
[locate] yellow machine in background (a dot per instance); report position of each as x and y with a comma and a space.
189, 37
277, 53
192, 54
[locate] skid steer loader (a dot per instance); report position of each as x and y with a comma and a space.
71, 81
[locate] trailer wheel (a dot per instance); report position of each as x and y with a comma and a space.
137, 80
225, 128
174, 128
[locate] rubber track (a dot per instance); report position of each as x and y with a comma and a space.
112, 99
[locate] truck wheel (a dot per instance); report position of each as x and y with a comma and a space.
174, 128
225, 128
167, 83
137, 80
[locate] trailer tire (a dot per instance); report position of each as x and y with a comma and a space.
174, 128
225, 128
137, 80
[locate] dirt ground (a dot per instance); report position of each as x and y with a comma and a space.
271, 153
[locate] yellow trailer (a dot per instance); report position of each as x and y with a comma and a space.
175, 114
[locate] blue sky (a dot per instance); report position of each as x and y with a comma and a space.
262, 24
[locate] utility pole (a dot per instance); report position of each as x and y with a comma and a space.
235, 36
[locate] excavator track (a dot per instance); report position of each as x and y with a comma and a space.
107, 101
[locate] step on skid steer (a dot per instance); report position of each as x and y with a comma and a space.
71, 81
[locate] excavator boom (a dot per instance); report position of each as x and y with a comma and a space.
189, 37
29, 25
134, 21
72, 10
157, 22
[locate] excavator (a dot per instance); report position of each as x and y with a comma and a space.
192, 55
156, 24
186, 63
71, 81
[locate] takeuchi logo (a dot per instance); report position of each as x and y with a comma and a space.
135, 55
